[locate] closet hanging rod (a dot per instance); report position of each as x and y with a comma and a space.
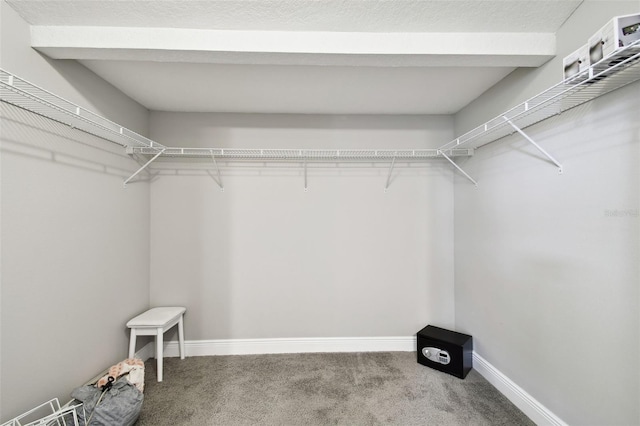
611, 73
28, 96
311, 155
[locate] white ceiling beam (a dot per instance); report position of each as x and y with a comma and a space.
294, 47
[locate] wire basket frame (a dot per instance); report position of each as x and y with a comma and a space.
49, 413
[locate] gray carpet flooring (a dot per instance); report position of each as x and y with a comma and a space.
378, 388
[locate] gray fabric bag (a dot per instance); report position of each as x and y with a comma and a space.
119, 406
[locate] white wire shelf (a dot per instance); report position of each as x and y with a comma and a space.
311, 155
23, 94
614, 72
19, 92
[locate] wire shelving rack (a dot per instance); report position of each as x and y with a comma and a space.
611, 73
318, 155
23, 94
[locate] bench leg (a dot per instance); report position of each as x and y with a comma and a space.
159, 338
181, 337
132, 343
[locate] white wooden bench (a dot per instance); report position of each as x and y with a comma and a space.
155, 322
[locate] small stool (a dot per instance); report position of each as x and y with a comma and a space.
155, 322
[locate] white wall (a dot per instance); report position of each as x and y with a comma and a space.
74, 243
264, 259
546, 265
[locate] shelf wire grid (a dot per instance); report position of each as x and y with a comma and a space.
311, 155
28, 96
611, 73
614, 72
23, 94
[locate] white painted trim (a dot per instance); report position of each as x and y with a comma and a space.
329, 47
334, 42
292, 345
518, 396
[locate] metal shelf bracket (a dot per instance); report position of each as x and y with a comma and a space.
541, 149
144, 167
457, 167
219, 180
306, 189
393, 161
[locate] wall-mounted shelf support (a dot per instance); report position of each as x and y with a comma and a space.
458, 167
306, 189
144, 167
541, 149
393, 161
219, 180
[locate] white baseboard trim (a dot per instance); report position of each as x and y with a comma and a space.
518, 396
290, 345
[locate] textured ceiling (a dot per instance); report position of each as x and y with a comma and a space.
306, 15
300, 56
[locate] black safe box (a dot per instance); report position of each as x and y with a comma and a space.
445, 350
